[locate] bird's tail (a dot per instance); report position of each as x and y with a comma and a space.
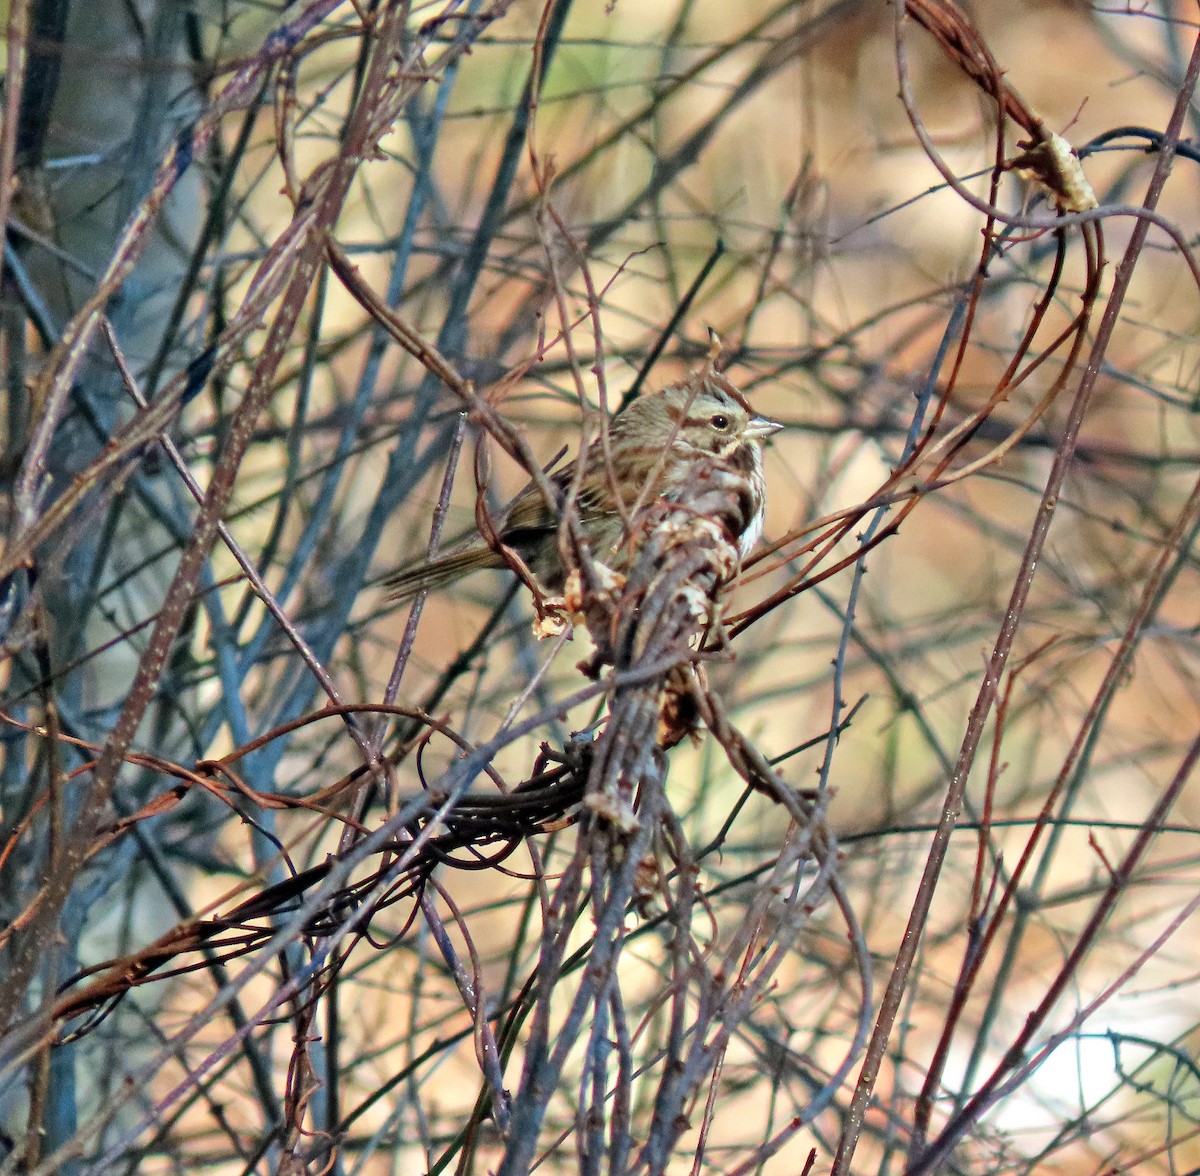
431, 574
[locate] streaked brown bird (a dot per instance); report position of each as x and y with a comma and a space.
657, 446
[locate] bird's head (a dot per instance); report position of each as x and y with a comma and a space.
704, 414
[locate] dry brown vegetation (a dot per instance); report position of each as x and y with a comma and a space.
889, 871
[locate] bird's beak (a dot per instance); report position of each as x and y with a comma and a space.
760, 427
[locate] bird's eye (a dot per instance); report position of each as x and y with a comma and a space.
719, 422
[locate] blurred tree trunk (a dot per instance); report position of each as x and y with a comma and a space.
108, 85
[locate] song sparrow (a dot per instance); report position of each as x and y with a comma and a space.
656, 447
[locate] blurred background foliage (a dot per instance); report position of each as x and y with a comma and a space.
750, 169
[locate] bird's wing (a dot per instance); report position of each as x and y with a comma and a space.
529, 512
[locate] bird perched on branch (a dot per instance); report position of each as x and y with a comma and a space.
656, 447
